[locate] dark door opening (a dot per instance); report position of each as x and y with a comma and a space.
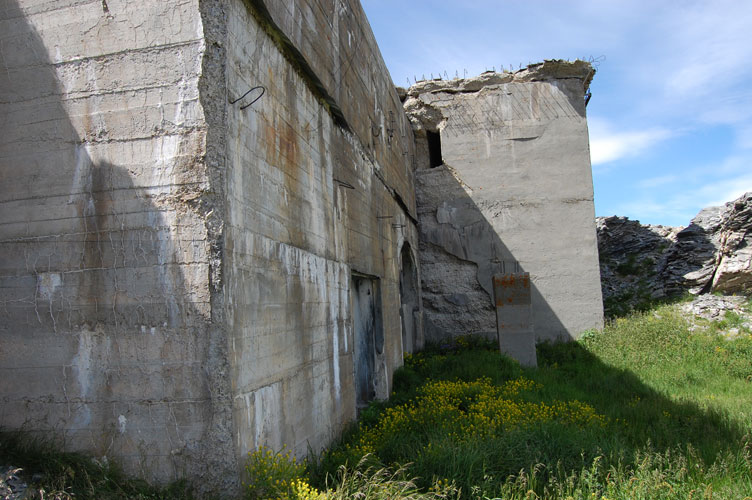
408, 286
434, 148
368, 336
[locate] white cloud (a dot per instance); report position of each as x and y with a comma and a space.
711, 43
723, 182
654, 182
607, 145
728, 190
681, 206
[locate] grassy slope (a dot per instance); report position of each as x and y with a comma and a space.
677, 405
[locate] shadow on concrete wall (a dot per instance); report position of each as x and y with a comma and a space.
460, 252
105, 337
459, 245
410, 311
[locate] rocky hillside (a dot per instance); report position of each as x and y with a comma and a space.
641, 264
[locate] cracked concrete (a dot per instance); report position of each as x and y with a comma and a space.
186, 276
176, 272
514, 194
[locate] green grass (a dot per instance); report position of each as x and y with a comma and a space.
646, 409
639, 298
68, 476
664, 412
730, 320
634, 267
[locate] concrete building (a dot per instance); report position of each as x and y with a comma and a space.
504, 185
206, 208
209, 229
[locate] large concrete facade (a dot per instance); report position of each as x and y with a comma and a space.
108, 332
209, 229
188, 271
504, 185
319, 208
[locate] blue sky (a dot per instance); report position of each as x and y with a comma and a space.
671, 114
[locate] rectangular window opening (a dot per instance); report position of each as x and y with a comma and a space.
434, 148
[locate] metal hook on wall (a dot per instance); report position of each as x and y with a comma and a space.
263, 90
344, 184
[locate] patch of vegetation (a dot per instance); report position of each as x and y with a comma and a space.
634, 267
638, 299
276, 475
52, 474
644, 409
730, 319
639, 296
272, 474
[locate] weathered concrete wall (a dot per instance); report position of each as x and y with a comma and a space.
189, 270
106, 322
176, 273
312, 198
514, 193
351, 70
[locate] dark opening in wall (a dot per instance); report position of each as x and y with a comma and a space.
409, 309
368, 335
434, 148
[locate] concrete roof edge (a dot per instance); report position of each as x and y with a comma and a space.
549, 69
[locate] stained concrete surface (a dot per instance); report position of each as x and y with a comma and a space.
514, 192
178, 267
176, 271
310, 204
105, 267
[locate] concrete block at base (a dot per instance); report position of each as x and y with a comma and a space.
514, 317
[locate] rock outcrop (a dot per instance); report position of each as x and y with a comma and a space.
691, 260
632, 256
641, 263
734, 269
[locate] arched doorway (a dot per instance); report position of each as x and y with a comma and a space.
409, 301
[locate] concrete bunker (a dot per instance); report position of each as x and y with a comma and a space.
503, 184
197, 298
222, 301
